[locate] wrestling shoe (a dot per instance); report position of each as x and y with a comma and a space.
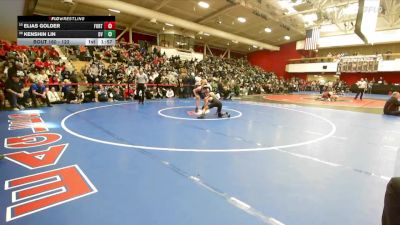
196, 110
225, 114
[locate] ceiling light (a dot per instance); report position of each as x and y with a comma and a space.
203, 4
206, 34
255, 46
114, 10
268, 30
235, 41
287, 37
241, 19
169, 24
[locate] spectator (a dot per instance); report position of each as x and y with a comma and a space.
115, 94
39, 91
129, 92
67, 91
14, 91
39, 64
53, 96
101, 94
89, 95
170, 93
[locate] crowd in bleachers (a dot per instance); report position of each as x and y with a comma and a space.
27, 72
40, 75
227, 76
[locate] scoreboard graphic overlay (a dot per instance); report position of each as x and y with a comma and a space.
66, 30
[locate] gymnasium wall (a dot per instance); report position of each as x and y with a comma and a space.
9, 10
363, 50
218, 52
136, 37
275, 61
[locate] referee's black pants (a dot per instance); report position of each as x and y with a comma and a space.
216, 103
140, 87
360, 91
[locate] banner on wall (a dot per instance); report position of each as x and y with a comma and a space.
352, 64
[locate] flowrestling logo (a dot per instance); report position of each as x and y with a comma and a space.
39, 191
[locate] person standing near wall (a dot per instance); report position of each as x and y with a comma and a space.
361, 87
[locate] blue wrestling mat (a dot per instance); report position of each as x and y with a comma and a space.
124, 163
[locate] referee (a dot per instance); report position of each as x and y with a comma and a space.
141, 81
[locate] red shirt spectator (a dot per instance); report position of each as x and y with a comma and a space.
54, 80
27, 82
48, 63
156, 61
39, 64
128, 92
3, 52
60, 68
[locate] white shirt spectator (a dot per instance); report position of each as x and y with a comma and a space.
53, 96
154, 75
170, 93
39, 77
